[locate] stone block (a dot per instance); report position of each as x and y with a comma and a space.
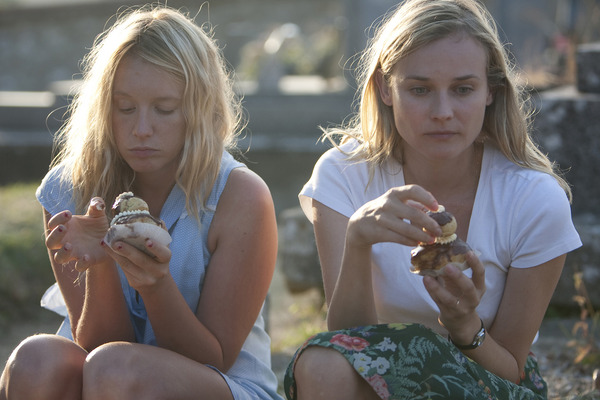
567, 127
586, 260
298, 258
588, 68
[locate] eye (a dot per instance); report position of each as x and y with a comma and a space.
463, 90
419, 90
126, 110
164, 111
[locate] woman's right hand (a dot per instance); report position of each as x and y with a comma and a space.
79, 238
398, 216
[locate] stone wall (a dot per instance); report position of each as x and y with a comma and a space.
568, 128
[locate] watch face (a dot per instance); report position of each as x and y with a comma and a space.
479, 338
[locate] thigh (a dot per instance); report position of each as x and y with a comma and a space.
131, 371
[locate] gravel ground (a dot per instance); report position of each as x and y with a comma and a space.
565, 379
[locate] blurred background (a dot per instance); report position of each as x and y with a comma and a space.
293, 66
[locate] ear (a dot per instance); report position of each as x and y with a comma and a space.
490, 97
385, 92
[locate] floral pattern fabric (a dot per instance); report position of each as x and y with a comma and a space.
410, 361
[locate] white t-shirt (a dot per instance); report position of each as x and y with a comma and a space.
521, 218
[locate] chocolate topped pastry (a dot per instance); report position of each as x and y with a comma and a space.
430, 259
133, 224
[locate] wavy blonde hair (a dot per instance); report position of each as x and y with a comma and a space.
170, 40
414, 24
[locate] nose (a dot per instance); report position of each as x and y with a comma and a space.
442, 107
143, 124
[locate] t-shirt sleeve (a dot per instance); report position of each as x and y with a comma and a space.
54, 194
329, 184
542, 222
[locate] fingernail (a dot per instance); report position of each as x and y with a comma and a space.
67, 214
149, 243
60, 229
97, 203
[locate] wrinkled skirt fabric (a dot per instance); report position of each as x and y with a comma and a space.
410, 361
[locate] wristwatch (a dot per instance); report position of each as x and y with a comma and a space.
477, 339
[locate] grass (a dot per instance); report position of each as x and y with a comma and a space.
25, 271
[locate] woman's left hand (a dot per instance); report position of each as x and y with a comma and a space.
143, 271
457, 297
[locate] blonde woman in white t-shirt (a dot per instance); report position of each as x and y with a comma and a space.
441, 122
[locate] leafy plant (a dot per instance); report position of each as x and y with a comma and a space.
25, 271
584, 331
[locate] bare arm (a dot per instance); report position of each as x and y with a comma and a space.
526, 296
344, 247
243, 243
67, 278
95, 303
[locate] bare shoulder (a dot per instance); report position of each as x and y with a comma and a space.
244, 186
245, 205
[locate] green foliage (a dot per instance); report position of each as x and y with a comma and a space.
25, 271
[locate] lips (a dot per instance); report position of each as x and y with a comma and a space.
441, 135
142, 151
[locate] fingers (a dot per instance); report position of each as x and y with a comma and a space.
478, 275
56, 230
454, 288
97, 207
157, 252
140, 268
59, 219
63, 254
417, 201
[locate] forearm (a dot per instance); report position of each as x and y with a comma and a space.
491, 355
72, 288
496, 359
177, 328
105, 317
352, 303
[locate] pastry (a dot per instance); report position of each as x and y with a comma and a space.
133, 224
430, 259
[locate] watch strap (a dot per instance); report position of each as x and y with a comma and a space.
477, 339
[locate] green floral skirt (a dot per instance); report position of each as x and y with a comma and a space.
410, 361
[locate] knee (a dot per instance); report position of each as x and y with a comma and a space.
44, 354
319, 364
109, 370
43, 361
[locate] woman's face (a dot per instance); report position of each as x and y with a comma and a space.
439, 94
147, 117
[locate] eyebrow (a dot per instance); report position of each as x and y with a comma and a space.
161, 98
424, 78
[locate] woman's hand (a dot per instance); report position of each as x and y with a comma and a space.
457, 297
78, 238
397, 216
142, 270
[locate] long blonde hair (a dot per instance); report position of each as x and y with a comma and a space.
173, 42
414, 24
